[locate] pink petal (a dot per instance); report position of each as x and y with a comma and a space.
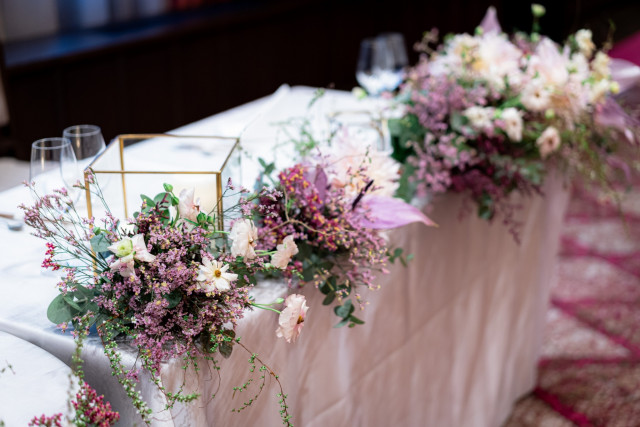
390, 212
626, 73
490, 22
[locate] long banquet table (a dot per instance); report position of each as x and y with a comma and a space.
451, 340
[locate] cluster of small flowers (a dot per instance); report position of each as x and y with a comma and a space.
48, 261
319, 214
92, 410
485, 110
175, 294
45, 421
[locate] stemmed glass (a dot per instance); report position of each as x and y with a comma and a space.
54, 166
381, 63
87, 142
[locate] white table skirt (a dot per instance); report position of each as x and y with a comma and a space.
451, 340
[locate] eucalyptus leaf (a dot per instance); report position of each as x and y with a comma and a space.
225, 349
160, 197
99, 319
304, 251
345, 309
100, 243
342, 323
84, 292
355, 320
329, 298
59, 311
174, 298
149, 200
68, 298
308, 273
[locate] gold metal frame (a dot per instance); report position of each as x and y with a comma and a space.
120, 140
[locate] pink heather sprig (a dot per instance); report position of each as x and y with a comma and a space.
55, 219
45, 421
92, 409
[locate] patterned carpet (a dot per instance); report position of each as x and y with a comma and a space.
589, 373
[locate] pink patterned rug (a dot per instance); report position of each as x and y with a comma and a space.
589, 373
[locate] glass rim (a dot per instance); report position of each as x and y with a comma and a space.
61, 143
79, 130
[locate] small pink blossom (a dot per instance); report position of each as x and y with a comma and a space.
548, 141
187, 207
245, 238
284, 252
125, 266
140, 251
292, 318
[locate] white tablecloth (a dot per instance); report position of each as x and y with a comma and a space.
33, 383
451, 340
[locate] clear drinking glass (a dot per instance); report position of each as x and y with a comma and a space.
381, 63
87, 142
54, 166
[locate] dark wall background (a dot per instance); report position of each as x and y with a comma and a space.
155, 75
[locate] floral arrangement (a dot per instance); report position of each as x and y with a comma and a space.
486, 112
168, 280
326, 214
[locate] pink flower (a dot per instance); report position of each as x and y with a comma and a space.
548, 141
187, 208
292, 317
126, 250
124, 266
245, 238
140, 251
284, 252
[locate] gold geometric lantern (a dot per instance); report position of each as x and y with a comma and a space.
136, 164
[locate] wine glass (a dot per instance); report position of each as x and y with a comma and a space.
381, 63
54, 166
87, 142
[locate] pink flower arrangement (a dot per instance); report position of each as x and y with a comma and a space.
169, 281
486, 112
331, 233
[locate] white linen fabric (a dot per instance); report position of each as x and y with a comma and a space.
33, 382
450, 340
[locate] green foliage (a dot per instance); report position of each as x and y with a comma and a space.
402, 132
77, 303
345, 312
226, 346
486, 207
398, 254
406, 186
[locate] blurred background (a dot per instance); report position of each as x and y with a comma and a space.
152, 65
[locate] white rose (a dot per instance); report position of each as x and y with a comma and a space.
513, 123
